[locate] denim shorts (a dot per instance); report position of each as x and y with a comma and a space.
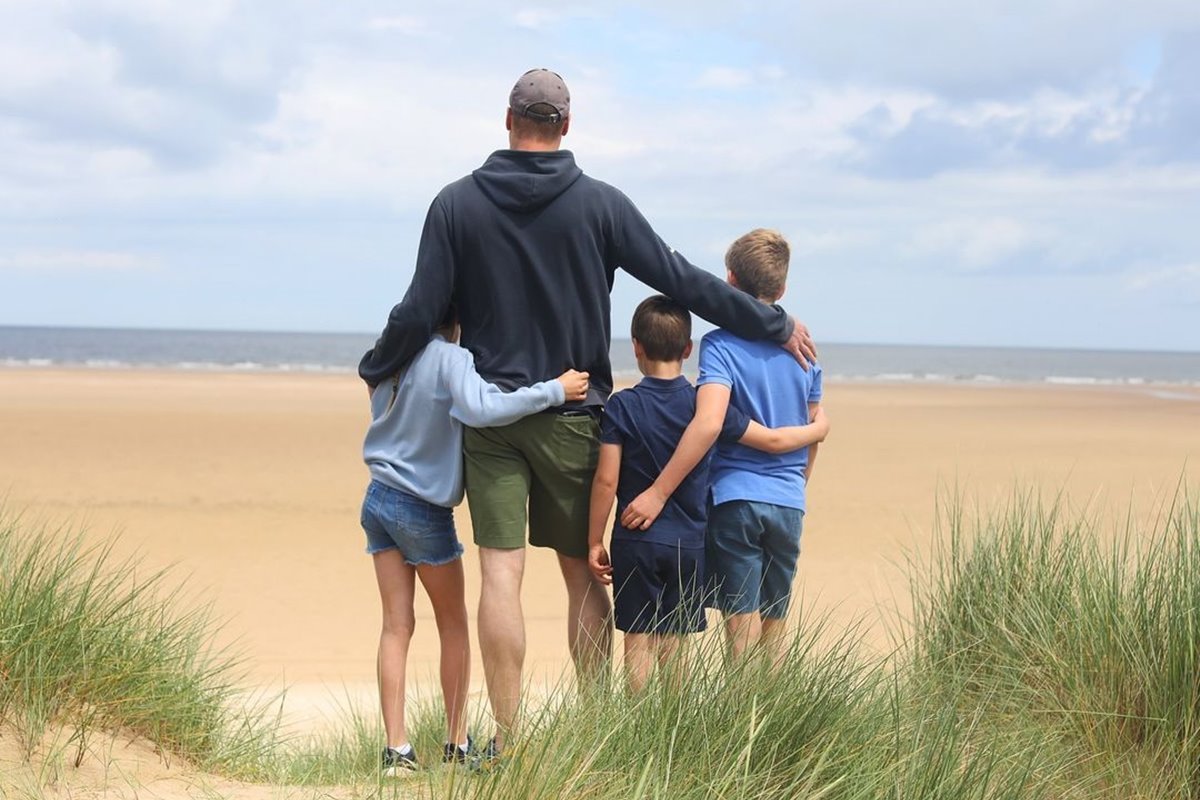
423, 532
751, 550
657, 588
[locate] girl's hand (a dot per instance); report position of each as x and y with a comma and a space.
575, 385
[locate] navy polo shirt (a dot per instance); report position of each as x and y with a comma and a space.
648, 420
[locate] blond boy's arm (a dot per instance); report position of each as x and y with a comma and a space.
712, 400
813, 410
787, 439
604, 491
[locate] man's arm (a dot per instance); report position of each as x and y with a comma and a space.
413, 320
792, 437
711, 401
604, 491
646, 257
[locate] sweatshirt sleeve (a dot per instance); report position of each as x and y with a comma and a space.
645, 256
479, 404
413, 320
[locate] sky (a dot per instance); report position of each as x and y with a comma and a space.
947, 171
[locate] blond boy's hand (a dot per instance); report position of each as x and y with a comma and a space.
575, 385
643, 510
599, 563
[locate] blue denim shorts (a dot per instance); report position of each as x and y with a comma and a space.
423, 532
657, 588
751, 551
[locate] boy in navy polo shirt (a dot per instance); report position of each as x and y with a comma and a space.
658, 573
758, 499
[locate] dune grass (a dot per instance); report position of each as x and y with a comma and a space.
90, 644
1049, 657
1045, 619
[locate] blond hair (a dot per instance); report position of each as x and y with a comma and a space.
759, 263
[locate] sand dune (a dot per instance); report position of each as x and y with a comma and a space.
250, 486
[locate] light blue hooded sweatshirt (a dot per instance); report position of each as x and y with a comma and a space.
414, 443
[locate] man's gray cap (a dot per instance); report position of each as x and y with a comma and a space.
541, 86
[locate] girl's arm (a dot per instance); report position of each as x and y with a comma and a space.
479, 404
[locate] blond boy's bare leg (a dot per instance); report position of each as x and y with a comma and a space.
589, 621
444, 585
502, 633
396, 581
774, 638
742, 632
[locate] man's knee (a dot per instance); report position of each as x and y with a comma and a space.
502, 569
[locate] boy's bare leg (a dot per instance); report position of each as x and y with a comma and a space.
589, 621
444, 585
639, 659
502, 633
672, 657
396, 581
774, 639
742, 631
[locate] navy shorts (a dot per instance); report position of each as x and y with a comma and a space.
657, 588
424, 533
751, 552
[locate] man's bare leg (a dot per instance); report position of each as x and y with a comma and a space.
502, 633
589, 621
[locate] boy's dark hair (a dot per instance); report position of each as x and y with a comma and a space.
759, 262
662, 327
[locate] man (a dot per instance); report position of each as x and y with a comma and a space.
526, 247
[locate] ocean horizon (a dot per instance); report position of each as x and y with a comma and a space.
41, 347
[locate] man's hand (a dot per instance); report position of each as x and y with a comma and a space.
643, 510
575, 385
800, 344
599, 564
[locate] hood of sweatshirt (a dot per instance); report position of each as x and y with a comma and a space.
519, 180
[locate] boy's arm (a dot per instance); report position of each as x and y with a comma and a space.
479, 404
604, 491
792, 437
712, 399
813, 410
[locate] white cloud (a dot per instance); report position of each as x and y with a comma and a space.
724, 78
59, 261
1176, 275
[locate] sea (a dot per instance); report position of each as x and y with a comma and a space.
243, 351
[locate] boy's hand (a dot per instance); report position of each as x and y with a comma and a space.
575, 385
600, 565
822, 421
643, 510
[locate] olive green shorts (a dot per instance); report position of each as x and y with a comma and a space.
542, 464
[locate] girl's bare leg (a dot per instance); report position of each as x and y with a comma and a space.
396, 581
444, 584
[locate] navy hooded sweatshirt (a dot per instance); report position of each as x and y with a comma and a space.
526, 247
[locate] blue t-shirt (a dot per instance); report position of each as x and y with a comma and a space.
648, 420
769, 385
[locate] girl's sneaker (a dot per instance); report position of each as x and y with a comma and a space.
399, 760
456, 753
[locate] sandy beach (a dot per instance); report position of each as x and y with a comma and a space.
249, 485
